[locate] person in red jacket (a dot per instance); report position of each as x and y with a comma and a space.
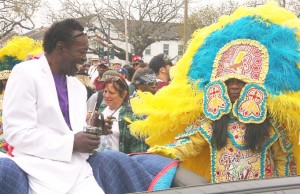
101, 68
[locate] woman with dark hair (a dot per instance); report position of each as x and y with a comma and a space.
116, 106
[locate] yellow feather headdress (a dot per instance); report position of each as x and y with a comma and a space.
180, 103
16, 50
265, 39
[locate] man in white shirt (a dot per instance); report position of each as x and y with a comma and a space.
47, 132
93, 73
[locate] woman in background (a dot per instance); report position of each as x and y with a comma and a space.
117, 108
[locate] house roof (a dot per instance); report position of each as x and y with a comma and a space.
9, 36
37, 34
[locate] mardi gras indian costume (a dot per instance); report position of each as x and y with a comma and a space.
259, 46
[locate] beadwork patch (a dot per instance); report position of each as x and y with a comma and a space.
242, 59
216, 100
251, 106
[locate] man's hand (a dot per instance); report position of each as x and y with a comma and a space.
85, 142
108, 125
95, 121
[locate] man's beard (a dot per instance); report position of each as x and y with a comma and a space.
72, 71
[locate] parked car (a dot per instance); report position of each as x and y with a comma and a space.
286, 185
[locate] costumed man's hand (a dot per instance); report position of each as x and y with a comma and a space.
85, 142
160, 150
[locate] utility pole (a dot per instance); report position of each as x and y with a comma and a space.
185, 23
108, 43
126, 34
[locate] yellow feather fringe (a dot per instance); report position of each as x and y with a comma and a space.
170, 111
20, 47
285, 109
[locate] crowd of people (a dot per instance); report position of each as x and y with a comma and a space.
3, 79
70, 89
229, 111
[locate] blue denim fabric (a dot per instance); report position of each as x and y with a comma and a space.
118, 173
115, 172
13, 180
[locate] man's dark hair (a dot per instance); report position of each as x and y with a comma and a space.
159, 61
255, 135
60, 31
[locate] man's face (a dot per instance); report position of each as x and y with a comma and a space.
74, 53
96, 63
135, 66
122, 75
86, 66
167, 69
101, 69
117, 66
149, 87
234, 88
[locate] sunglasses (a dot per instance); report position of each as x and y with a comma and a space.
114, 78
76, 36
150, 84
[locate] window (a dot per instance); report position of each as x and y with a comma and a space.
166, 49
148, 50
180, 50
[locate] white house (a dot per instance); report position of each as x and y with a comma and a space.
168, 42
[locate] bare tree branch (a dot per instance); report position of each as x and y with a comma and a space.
147, 21
17, 14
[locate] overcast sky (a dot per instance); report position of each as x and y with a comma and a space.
40, 17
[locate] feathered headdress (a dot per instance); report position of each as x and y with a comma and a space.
257, 45
16, 50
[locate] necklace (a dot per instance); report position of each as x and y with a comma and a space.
116, 111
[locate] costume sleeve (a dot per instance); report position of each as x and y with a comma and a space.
280, 159
186, 145
283, 154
